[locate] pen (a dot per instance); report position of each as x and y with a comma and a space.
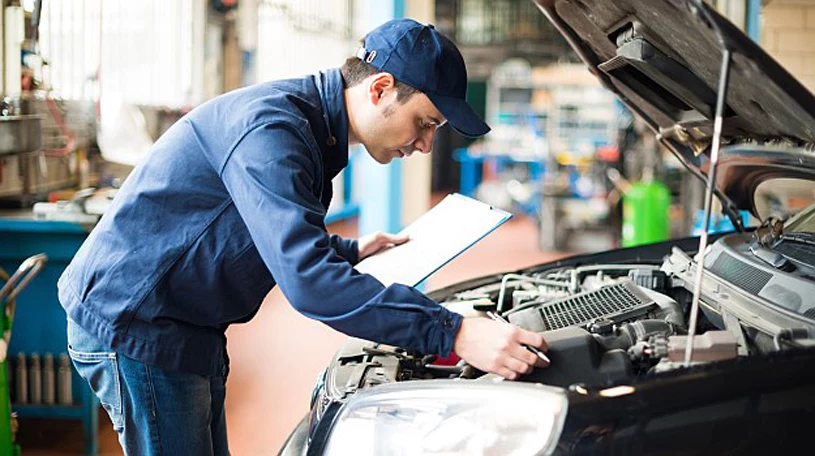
534, 350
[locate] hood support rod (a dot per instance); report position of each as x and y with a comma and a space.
724, 76
721, 96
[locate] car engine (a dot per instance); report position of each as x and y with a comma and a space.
603, 323
612, 323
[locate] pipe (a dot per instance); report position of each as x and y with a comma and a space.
502, 291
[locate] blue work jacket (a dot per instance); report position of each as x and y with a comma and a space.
231, 201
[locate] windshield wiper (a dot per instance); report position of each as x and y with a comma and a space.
774, 259
802, 237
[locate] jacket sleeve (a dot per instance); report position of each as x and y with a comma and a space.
347, 248
271, 177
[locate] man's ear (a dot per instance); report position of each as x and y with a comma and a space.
380, 86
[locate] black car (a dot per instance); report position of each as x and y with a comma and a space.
624, 378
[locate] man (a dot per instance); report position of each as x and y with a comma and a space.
231, 202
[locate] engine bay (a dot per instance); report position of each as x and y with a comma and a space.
603, 323
610, 323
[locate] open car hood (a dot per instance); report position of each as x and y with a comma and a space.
662, 58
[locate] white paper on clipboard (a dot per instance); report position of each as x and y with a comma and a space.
438, 236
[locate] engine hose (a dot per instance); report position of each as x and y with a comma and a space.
789, 334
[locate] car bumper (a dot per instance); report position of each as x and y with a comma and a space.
297, 443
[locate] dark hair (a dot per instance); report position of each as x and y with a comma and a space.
354, 71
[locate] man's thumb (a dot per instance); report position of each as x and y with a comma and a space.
399, 238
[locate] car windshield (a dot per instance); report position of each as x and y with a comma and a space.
804, 222
787, 199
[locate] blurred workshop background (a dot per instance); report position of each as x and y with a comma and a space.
88, 85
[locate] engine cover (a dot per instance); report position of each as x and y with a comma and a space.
578, 358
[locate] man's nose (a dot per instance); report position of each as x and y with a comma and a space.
425, 142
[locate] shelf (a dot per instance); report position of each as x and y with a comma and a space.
49, 411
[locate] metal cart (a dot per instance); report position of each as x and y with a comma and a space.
13, 286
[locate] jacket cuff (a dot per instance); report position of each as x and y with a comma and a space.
448, 326
347, 248
352, 251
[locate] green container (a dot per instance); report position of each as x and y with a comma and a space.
646, 217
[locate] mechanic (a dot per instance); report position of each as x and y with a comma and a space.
230, 202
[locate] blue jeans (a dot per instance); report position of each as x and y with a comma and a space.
154, 411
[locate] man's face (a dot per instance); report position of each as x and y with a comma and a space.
396, 129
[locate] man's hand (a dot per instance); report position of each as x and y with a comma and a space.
496, 347
376, 242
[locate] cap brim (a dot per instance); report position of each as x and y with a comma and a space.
460, 116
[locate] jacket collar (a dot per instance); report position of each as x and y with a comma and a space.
335, 144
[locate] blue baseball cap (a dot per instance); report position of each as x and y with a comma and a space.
423, 58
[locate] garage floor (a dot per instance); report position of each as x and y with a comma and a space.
278, 355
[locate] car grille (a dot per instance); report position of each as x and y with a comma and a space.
614, 302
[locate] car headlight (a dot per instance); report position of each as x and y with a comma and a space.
450, 417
